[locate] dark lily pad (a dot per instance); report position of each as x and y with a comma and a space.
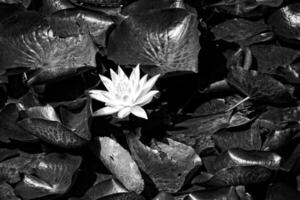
10, 130
258, 86
167, 164
28, 43
227, 193
12, 169
105, 188
285, 22
243, 8
271, 57
76, 116
171, 45
52, 6
95, 24
238, 175
163, 196
52, 175
123, 196
249, 139
42, 112
52, 132
239, 157
197, 131
282, 191
25, 3
142, 6
7, 192
115, 158
239, 30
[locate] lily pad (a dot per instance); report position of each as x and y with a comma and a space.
271, 57
238, 175
227, 193
7, 192
239, 157
52, 175
29, 43
96, 24
10, 130
240, 30
258, 86
115, 158
167, 164
171, 45
249, 139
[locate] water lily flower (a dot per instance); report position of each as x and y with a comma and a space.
124, 94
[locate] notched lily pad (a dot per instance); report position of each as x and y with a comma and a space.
167, 164
271, 57
27, 42
171, 45
258, 86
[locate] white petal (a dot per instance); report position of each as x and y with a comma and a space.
139, 112
135, 75
100, 95
150, 83
124, 112
122, 74
107, 83
114, 77
106, 111
147, 98
139, 88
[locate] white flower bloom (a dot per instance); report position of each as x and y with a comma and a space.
124, 94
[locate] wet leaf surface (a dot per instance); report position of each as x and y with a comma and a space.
172, 45
224, 123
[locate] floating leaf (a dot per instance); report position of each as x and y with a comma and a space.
249, 139
105, 188
239, 157
123, 196
10, 130
282, 191
76, 117
227, 193
239, 175
25, 3
52, 175
197, 131
96, 24
270, 57
285, 22
119, 162
258, 86
240, 30
28, 43
52, 6
167, 164
171, 45
52, 132
7, 192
